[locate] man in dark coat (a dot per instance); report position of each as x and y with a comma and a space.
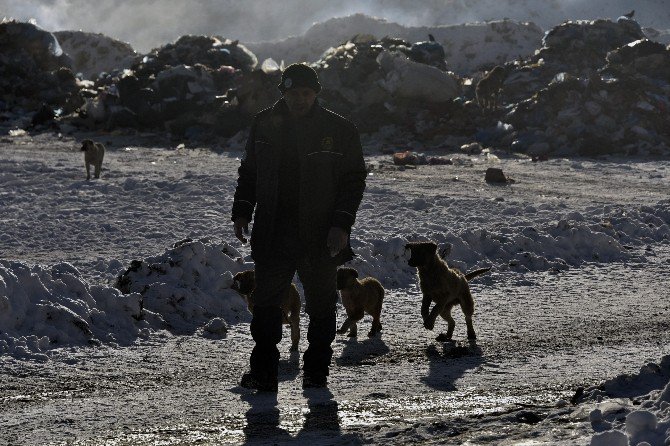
303, 173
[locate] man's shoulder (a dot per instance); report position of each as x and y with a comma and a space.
263, 114
337, 119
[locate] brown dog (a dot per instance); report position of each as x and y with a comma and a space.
443, 285
489, 88
245, 283
359, 297
94, 152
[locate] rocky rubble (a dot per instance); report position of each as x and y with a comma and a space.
608, 93
185, 88
35, 75
592, 88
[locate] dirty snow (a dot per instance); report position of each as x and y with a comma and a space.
576, 298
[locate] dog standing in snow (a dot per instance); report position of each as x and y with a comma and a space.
245, 283
359, 297
444, 286
94, 152
489, 88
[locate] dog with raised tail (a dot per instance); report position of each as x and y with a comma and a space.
245, 283
359, 297
444, 286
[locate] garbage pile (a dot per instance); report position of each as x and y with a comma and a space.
186, 88
609, 93
594, 87
578, 48
375, 82
35, 76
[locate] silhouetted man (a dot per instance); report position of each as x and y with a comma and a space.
303, 175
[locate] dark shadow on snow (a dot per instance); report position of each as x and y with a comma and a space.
448, 361
289, 368
322, 422
262, 419
363, 352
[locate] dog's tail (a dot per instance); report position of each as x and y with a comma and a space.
471, 275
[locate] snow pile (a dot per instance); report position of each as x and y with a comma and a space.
644, 398
93, 53
189, 285
48, 307
468, 47
184, 290
596, 235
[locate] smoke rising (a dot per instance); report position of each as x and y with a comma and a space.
146, 24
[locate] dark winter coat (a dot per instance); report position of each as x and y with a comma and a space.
331, 180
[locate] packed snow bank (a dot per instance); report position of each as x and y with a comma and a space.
467, 47
184, 290
596, 234
48, 307
189, 284
643, 398
92, 53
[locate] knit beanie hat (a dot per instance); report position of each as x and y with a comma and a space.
299, 75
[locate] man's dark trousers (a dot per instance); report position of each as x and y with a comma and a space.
273, 278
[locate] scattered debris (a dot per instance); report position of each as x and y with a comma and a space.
593, 88
496, 175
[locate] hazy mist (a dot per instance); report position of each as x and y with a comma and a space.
150, 23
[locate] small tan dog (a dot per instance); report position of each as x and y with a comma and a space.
489, 88
245, 283
359, 297
444, 286
94, 152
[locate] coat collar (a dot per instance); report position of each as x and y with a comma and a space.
280, 108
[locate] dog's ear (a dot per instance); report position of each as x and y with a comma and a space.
85, 144
432, 247
355, 273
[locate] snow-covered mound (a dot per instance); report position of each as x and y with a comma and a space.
643, 398
48, 307
468, 47
184, 290
93, 53
189, 284
575, 238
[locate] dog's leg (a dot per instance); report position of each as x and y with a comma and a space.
376, 326
353, 332
468, 307
425, 312
88, 170
96, 172
430, 323
376, 319
295, 330
451, 323
345, 326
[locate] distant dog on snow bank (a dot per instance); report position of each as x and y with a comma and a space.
443, 285
245, 284
94, 152
359, 297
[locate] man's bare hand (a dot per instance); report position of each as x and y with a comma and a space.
337, 240
241, 226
